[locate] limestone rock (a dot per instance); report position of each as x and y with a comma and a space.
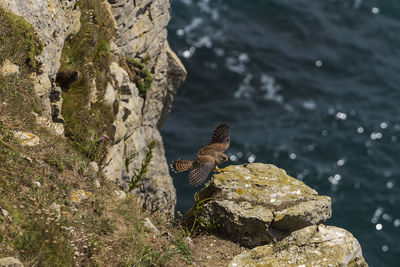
57, 128
27, 139
10, 262
257, 203
142, 34
149, 225
120, 194
8, 68
93, 167
4, 212
311, 246
96, 183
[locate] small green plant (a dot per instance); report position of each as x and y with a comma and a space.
55, 161
103, 50
139, 175
184, 249
140, 75
199, 222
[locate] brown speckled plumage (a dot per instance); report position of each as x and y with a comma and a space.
208, 158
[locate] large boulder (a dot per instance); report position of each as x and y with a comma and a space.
254, 204
311, 246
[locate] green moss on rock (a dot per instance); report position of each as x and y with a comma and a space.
18, 41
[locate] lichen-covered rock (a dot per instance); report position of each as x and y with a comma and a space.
311, 246
258, 203
77, 196
10, 262
27, 139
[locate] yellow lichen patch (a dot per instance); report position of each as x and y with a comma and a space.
239, 191
78, 195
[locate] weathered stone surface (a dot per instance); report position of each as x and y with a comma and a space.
93, 167
8, 68
257, 203
120, 194
142, 33
311, 246
10, 262
57, 128
149, 225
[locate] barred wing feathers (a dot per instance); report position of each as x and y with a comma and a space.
221, 137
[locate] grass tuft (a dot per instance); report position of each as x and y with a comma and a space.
16, 30
140, 75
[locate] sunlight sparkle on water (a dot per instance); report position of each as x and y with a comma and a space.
383, 125
341, 116
360, 130
385, 248
375, 10
180, 32
389, 185
252, 158
341, 162
292, 156
396, 223
188, 53
378, 226
334, 180
376, 136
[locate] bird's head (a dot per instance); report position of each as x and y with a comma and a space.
222, 158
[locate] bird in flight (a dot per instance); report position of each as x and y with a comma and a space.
208, 158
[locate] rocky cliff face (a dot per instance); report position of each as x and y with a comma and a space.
276, 217
140, 34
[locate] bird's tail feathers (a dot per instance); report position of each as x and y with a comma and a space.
181, 165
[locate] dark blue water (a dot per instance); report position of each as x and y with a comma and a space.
312, 86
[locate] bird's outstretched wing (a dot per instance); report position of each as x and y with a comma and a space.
201, 167
221, 137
